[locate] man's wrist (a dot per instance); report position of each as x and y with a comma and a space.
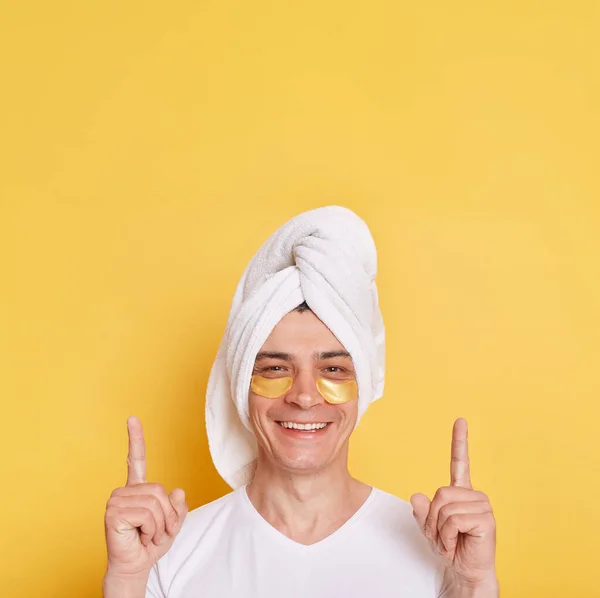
487, 589
114, 586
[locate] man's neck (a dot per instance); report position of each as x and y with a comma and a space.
306, 508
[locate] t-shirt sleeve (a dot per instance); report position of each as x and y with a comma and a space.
154, 587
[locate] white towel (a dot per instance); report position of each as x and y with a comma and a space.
326, 257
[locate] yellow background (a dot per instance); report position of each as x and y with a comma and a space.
149, 148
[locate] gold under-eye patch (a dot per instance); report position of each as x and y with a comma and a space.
270, 388
333, 392
337, 392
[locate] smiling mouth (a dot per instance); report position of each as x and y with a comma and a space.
315, 427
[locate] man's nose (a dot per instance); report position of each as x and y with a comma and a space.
304, 391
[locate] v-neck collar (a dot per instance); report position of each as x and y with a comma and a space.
286, 541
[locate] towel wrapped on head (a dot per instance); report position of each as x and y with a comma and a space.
326, 257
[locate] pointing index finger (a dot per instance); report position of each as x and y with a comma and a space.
136, 459
460, 474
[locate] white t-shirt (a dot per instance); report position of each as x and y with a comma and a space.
226, 549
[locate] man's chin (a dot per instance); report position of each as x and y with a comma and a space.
290, 456
301, 465
302, 451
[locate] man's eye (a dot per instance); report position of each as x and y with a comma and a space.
273, 368
334, 367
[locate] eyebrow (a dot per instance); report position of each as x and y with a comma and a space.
289, 357
274, 355
332, 354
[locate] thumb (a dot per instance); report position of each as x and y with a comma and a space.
177, 498
420, 504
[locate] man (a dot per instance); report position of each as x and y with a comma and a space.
297, 522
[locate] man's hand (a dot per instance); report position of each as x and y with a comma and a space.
141, 520
460, 524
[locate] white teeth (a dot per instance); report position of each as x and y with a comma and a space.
297, 426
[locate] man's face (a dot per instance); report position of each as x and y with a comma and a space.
302, 347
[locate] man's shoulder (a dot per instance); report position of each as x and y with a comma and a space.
394, 523
207, 513
393, 504
399, 530
202, 524
396, 515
